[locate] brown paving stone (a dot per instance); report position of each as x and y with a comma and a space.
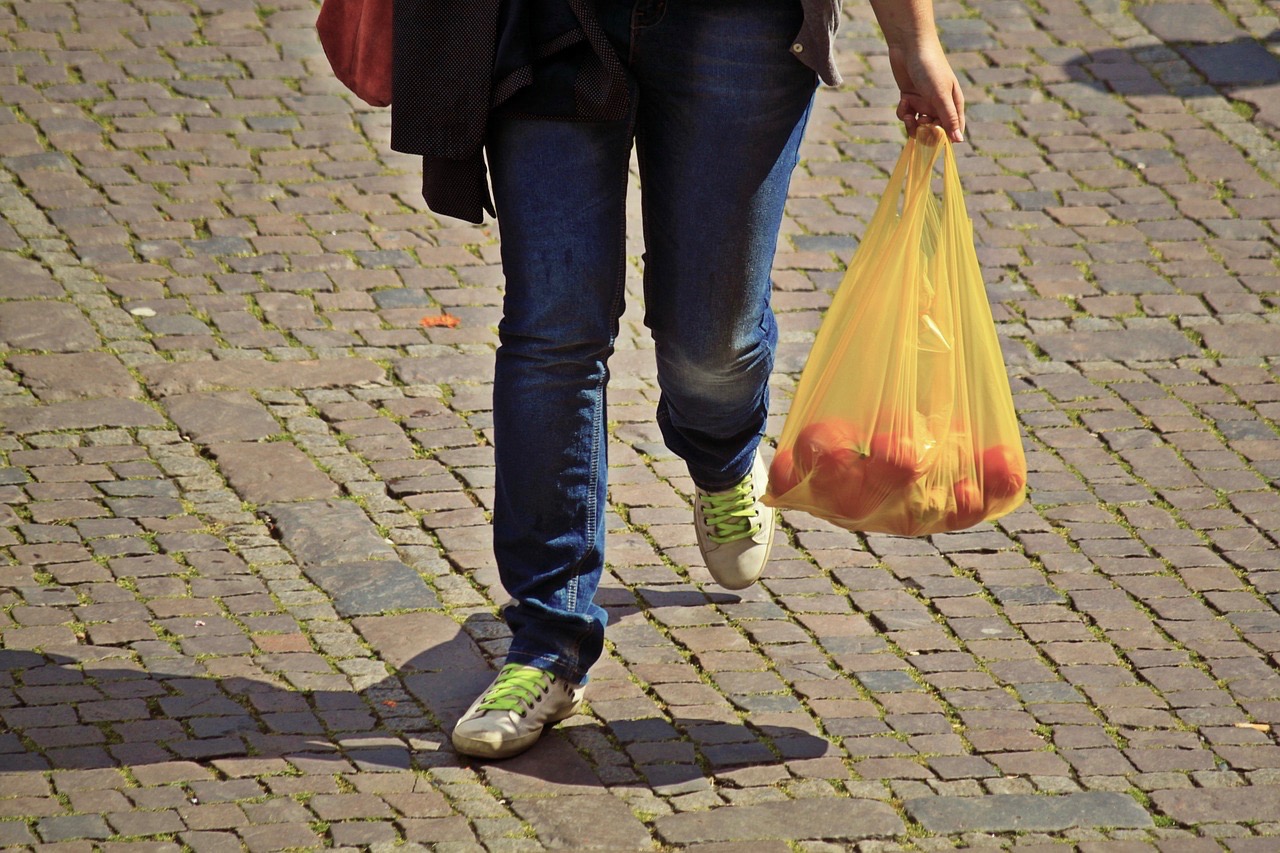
225, 417
43, 325
272, 471
1195, 806
72, 376
593, 822
79, 414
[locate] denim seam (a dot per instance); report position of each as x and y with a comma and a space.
640, 10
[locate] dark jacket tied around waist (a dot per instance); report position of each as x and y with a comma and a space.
457, 60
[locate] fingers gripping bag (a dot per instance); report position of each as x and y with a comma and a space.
903, 421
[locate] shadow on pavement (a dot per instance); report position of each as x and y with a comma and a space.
96, 708
1240, 68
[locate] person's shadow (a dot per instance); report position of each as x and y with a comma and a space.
91, 707
1234, 64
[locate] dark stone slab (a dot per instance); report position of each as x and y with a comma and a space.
168, 379
593, 822
1240, 62
273, 471
1219, 805
1243, 341
68, 827
44, 325
371, 587
1147, 344
1027, 595
320, 532
1187, 22
1027, 812
794, 820
402, 298
79, 414
229, 416
72, 376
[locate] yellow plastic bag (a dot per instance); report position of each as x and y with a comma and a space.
903, 421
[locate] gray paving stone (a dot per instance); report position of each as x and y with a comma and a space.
592, 822
230, 416
372, 587
1027, 812
70, 827
271, 471
166, 379
1154, 344
827, 819
403, 297
326, 532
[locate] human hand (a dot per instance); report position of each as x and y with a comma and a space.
930, 92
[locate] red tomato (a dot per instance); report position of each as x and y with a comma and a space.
891, 460
827, 452
854, 501
783, 476
1004, 474
969, 508
824, 438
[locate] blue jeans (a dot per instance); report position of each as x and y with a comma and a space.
718, 109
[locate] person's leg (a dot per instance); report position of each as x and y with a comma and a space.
559, 188
723, 106
722, 109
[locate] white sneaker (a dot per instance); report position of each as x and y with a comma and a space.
735, 529
509, 716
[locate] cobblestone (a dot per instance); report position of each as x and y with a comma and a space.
247, 585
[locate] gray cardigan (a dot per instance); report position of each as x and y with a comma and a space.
815, 45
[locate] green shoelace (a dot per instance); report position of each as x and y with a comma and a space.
729, 515
517, 689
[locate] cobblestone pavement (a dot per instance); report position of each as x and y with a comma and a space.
246, 582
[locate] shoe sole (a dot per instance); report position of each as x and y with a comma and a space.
477, 748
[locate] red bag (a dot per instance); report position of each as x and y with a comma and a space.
356, 37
